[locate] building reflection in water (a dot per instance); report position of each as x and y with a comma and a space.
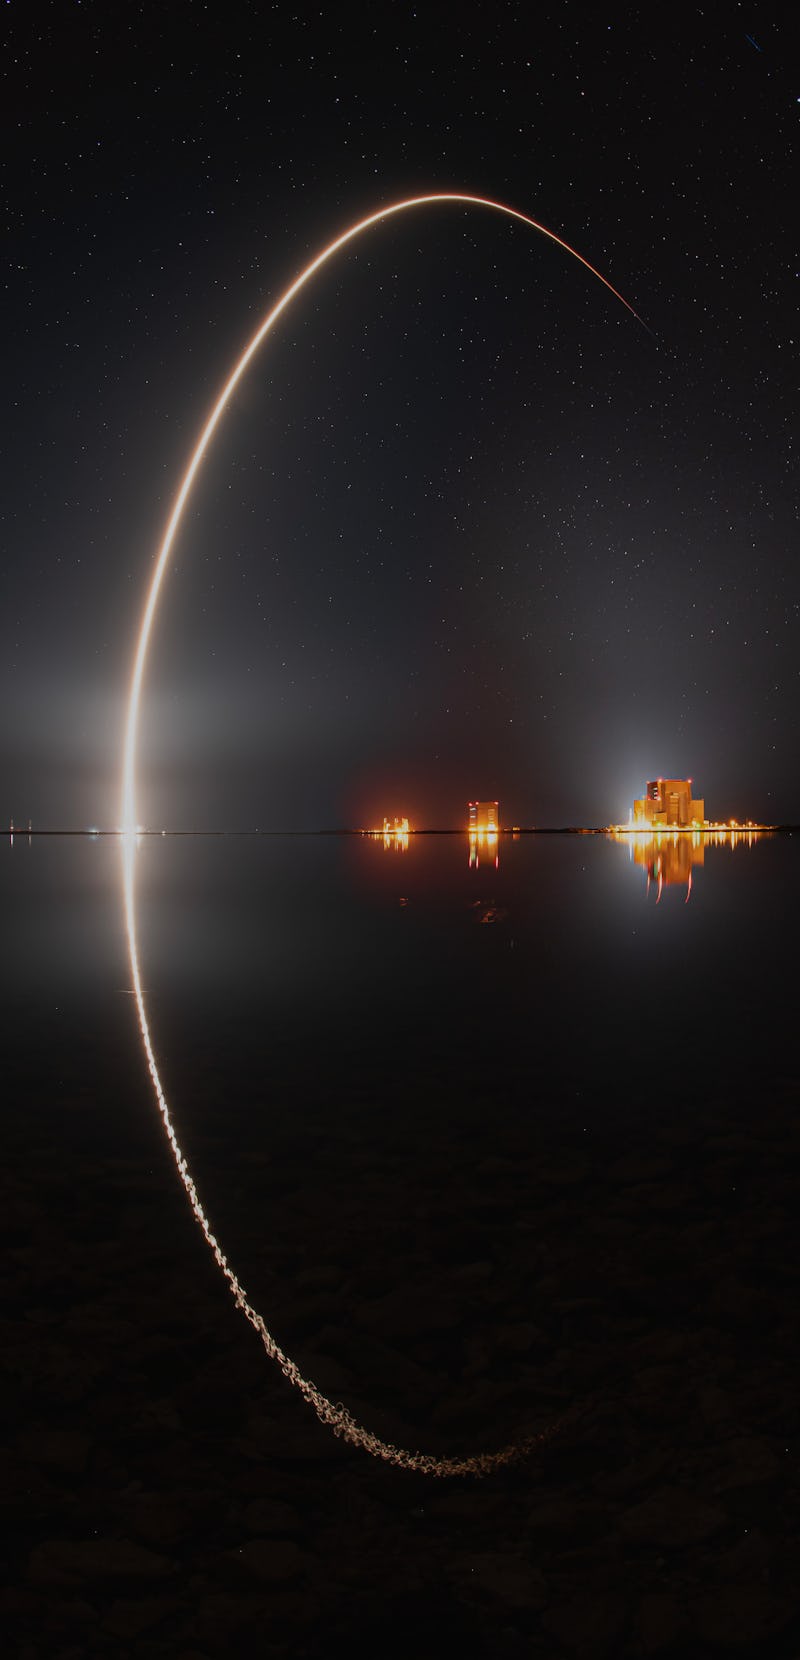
484, 848
670, 860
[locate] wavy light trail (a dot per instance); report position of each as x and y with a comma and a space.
331, 1413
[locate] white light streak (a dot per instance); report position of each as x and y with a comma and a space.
333, 1414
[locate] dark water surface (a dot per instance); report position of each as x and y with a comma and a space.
489, 1147
559, 982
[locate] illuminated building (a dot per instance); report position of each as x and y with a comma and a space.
668, 803
483, 818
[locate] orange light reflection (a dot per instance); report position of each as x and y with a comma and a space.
483, 844
670, 856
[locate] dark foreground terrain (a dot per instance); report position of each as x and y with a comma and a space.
166, 1494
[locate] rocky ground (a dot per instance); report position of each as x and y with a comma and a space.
166, 1494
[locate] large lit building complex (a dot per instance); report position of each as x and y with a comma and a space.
668, 803
484, 817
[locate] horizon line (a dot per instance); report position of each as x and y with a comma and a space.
709, 827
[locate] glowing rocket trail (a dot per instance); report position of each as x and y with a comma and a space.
335, 1416
128, 809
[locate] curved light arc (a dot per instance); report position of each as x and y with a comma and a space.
330, 1413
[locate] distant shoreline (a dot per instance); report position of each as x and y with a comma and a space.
506, 831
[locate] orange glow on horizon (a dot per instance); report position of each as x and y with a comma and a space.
395, 834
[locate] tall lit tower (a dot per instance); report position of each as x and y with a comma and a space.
483, 817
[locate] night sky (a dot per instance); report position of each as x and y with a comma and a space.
469, 528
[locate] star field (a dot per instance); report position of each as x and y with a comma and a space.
469, 528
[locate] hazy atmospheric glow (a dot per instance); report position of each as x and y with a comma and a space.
333, 1414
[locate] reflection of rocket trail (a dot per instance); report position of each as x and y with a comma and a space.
335, 1416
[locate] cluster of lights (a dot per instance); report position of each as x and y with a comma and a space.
651, 827
395, 834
